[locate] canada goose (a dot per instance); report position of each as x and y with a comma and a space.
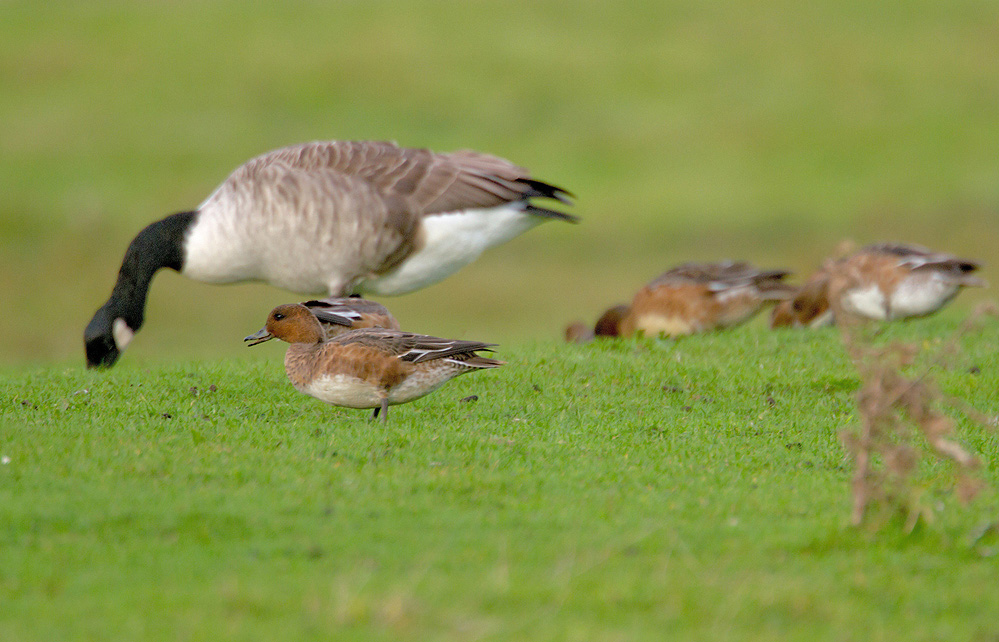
335, 217
693, 297
367, 368
882, 282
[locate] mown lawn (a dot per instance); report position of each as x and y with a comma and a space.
693, 490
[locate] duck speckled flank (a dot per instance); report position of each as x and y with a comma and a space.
368, 368
881, 282
330, 217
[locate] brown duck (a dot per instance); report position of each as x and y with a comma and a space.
693, 297
882, 282
367, 368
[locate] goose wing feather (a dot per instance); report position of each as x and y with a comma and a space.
434, 183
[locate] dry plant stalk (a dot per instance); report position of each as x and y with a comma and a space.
894, 409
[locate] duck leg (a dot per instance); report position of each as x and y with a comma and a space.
383, 409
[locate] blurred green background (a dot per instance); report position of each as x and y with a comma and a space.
687, 129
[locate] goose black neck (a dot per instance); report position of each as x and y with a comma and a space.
158, 245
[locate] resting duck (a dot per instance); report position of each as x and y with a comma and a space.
694, 297
367, 368
337, 217
882, 282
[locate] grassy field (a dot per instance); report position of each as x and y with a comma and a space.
691, 490
688, 130
634, 490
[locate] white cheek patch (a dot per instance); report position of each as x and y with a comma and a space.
122, 333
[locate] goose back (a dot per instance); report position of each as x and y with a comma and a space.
343, 216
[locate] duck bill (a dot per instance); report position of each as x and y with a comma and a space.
259, 336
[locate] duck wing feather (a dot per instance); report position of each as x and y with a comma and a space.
407, 346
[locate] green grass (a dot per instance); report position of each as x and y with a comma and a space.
626, 490
695, 490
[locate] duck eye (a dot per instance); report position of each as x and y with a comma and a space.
278, 316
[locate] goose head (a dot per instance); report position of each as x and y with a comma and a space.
106, 337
